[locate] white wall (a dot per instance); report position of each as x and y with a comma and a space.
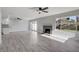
16, 25
12, 14
45, 21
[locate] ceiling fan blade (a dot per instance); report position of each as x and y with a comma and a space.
45, 8
45, 11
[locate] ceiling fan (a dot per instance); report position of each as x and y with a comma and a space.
41, 9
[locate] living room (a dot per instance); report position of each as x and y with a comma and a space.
32, 31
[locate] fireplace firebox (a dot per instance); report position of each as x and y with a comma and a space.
47, 29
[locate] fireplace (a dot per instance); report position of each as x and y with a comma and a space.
47, 29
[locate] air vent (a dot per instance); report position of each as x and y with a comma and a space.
19, 18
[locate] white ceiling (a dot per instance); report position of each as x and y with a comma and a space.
28, 13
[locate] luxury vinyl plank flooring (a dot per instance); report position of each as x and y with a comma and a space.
34, 42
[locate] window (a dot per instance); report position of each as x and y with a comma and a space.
70, 23
34, 25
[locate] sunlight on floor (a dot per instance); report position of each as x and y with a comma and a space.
34, 38
54, 38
